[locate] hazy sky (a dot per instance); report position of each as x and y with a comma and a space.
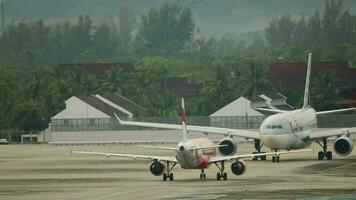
213, 17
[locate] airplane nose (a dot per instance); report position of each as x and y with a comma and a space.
181, 148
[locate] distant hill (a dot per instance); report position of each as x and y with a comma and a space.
213, 17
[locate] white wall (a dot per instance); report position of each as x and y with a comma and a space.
78, 109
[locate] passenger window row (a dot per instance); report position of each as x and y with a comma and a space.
274, 127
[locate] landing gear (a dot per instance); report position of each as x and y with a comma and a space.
258, 147
324, 154
221, 175
275, 158
168, 175
202, 174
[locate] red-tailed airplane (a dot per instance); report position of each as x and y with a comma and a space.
197, 153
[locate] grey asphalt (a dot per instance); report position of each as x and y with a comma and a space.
50, 172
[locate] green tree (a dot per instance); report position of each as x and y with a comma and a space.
332, 13
127, 22
166, 31
104, 42
254, 78
28, 118
326, 90
279, 34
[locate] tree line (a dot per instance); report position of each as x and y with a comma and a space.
161, 43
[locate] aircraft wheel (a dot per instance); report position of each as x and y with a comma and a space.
254, 158
204, 176
225, 176
277, 159
171, 176
321, 155
164, 177
329, 155
273, 158
264, 157
218, 176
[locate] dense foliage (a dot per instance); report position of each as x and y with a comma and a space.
162, 44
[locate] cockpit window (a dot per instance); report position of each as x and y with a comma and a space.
279, 127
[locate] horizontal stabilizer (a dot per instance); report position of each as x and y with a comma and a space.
133, 156
157, 147
205, 129
271, 110
209, 147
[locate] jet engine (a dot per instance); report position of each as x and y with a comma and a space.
343, 146
229, 149
157, 168
238, 167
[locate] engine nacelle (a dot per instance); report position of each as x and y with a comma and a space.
238, 167
229, 149
343, 146
157, 168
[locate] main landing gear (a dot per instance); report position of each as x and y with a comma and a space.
275, 158
258, 147
168, 175
203, 174
324, 154
222, 174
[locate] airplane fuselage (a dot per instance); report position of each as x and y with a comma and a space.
289, 130
195, 159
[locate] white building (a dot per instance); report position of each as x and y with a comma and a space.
93, 113
241, 113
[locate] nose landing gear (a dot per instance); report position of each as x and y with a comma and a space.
203, 174
258, 147
275, 158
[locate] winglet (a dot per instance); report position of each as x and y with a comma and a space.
307, 81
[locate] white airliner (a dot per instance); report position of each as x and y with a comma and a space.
288, 130
197, 153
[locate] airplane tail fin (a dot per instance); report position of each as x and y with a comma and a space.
184, 122
307, 83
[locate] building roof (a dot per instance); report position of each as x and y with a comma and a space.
99, 69
127, 104
103, 107
96, 106
182, 86
292, 75
274, 100
239, 107
78, 109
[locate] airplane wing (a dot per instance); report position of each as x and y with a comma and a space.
319, 133
204, 129
234, 157
335, 111
133, 156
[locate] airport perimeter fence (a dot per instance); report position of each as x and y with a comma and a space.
236, 122
103, 125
